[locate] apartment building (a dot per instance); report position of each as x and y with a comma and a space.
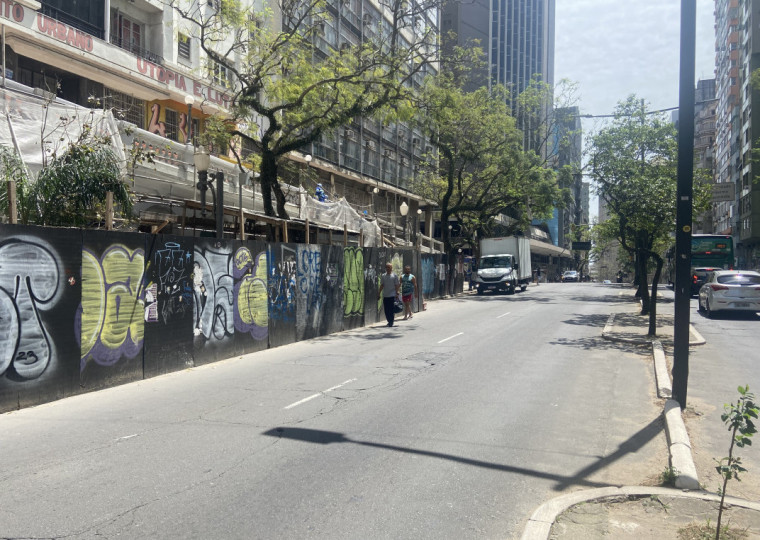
138, 58
737, 55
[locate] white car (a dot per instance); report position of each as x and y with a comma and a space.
730, 290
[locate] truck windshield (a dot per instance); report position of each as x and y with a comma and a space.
503, 261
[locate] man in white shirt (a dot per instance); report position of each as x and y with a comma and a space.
389, 289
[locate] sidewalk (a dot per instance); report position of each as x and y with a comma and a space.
645, 512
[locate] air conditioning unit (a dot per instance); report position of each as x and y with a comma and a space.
371, 145
349, 134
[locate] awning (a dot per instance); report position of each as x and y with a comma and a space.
544, 248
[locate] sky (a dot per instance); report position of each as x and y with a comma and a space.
614, 48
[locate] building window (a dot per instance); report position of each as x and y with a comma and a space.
171, 120
183, 46
126, 33
219, 74
125, 107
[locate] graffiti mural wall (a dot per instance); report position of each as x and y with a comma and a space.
40, 292
309, 292
372, 306
251, 313
111, 315
168, 304
282, 287
353, 287
213, 300
83, 310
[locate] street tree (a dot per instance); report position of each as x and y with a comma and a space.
633, 163
293, 84
481, 169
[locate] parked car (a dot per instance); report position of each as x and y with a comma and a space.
699, 277
730, 290
570, 275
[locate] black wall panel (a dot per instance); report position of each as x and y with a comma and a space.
111, 319
168, 304
40, 291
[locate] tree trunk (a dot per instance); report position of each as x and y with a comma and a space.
653, 303
268, 179
641, 263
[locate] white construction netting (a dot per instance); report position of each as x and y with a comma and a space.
39, 128
337, 214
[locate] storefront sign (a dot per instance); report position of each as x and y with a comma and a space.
167, 76
63, 32
11, 10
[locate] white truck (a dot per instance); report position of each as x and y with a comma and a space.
504, 265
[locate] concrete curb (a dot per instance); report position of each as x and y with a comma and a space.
680, 447
662, 377
540, 523
696, 337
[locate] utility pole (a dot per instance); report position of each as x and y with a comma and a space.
684, 192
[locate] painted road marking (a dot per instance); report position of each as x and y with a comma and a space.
452, 337
304, 400
504, 315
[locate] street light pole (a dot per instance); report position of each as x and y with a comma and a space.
189, 100
202, 161
404, 210
684, 191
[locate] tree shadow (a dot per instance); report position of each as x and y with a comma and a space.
593, 320
631, 445
599, 343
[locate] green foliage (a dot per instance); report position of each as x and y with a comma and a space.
71, 189
668, 476
481, 170
738, 418
633, 163
290, 88
12, 168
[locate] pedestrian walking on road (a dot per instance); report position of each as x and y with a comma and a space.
408, 291
389, 289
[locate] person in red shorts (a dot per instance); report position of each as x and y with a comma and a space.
408, 291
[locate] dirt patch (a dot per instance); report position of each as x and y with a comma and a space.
654, 517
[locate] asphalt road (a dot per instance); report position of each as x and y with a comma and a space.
729, 359
455, 424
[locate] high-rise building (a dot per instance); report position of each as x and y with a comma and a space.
737, 54
517, 38
567, 149
704, 141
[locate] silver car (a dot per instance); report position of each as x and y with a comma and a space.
730, 290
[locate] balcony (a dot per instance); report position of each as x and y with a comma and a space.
137, 50
74, 22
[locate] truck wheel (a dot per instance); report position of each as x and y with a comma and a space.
480, 291
523, 287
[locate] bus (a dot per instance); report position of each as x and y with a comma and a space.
708, 252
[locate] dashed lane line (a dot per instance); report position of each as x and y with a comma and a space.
304, 400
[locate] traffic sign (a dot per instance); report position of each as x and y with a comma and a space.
581, 246
724, 192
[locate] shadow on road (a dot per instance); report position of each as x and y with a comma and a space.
632, 445
598, 344
594, 320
